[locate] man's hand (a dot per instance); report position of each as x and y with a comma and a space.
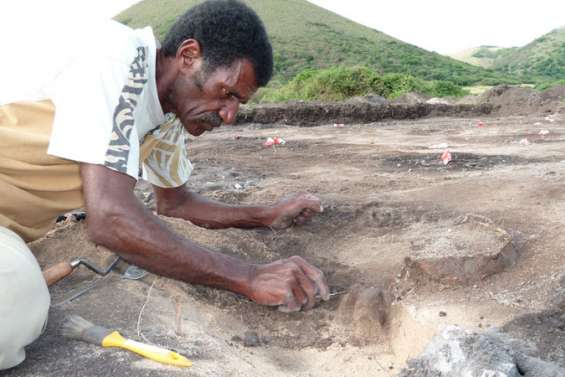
295, 209
292, 284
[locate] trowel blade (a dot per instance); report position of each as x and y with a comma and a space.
134, 273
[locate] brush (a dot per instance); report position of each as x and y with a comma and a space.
79, 328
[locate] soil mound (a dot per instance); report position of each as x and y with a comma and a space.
554, 94
373, 99
317, 113
467, 250
500, 100
513, 100
411, 98
436, 100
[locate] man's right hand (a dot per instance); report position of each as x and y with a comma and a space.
291, 284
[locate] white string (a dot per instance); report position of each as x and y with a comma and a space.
139, 317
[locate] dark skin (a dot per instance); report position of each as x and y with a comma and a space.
118, 221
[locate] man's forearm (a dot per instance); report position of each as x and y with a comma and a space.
144, 240
118, 221
208, 213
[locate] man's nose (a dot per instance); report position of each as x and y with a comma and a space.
228, 113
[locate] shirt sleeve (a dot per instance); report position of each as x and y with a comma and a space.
96, 103
165, 155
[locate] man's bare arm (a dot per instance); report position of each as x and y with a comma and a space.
181, 203
118, 221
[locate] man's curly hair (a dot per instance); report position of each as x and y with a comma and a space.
227, 30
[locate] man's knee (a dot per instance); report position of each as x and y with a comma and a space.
24, 299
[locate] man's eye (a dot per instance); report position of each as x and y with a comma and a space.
230, 95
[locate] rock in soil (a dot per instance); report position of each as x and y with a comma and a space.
457, 352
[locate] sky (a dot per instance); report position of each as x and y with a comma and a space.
10, 10
444, 26
448, 26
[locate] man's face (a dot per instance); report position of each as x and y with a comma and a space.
203, 101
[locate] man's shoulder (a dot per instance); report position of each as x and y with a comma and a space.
116, 41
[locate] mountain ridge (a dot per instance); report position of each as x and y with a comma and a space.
306, 36
541, 59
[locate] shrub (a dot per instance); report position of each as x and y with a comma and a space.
339, 83
549, 84
446, 89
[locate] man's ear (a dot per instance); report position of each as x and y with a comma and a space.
189, 55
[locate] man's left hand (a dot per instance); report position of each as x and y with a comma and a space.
295, 209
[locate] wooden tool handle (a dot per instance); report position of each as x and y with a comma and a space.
57, 272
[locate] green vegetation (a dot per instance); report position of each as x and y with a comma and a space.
549, 84
541, 62
492, 53
339, 83
483, 56
306, 36
543, 59
477, 90
312, 47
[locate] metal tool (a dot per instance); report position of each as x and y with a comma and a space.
61, 270
134, 273
338, 293
333, 294
76, 293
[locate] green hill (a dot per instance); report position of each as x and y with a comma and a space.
307, 36
483, 56
543, 58
539, 61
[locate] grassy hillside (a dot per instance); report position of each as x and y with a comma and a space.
544, 57
483, 56
542, 60
307, 36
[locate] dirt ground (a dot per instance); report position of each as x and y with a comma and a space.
417, 245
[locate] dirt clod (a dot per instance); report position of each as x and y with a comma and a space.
251, 339
462, 251
365, 312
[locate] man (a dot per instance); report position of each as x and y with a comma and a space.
101, 110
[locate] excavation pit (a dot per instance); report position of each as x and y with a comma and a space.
377, 217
